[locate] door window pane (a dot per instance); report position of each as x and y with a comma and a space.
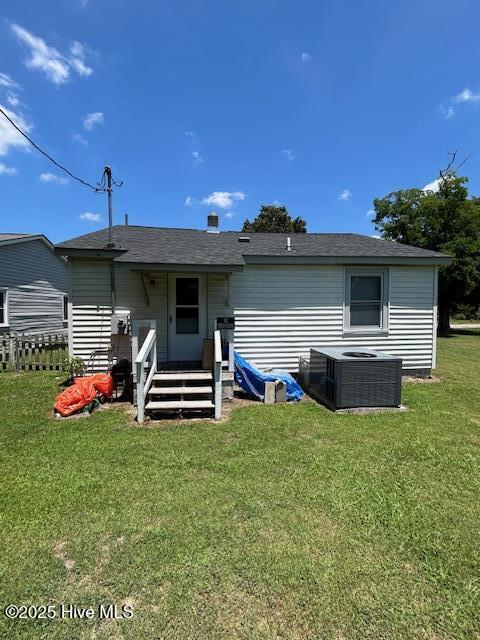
366, 288
187, 319
365, 314
186, 291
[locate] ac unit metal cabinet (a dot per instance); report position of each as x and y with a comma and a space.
353, 377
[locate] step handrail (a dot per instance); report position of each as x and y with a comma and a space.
217, 370
147, 351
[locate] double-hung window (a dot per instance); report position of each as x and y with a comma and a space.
3, 307
366, 304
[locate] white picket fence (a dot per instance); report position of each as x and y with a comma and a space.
33, 352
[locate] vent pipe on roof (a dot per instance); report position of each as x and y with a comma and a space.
126, 219
212, 222
289, 243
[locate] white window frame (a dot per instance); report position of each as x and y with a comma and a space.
6, 322
65, 307
382, 328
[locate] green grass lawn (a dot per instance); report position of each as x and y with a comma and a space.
455, 321
285, 522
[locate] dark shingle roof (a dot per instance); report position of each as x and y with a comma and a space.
14, 236
161, 245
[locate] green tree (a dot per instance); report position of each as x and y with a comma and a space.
275, 219
446, 220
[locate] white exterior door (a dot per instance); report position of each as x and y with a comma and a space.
187, 316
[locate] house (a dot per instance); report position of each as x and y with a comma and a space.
285, 293
33, 285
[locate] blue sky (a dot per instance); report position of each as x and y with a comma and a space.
197, 106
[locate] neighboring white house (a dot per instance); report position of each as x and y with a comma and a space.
33, 285
286, 294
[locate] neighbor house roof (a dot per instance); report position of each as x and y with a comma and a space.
12, 238
170, 246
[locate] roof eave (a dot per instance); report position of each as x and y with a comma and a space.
75, 252
191, 268
386, 260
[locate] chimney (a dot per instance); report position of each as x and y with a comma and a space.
289, 243
212, 223
126, 219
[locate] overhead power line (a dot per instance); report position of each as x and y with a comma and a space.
100, 188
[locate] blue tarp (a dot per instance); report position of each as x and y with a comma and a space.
252, 380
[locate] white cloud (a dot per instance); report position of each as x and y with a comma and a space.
223, 199
43, 57
448, 112
190, 202
78, 53
10, 137
54, 64
191, 135
6, 81
288, 154
197, 158
79, 138
12, 99
434, 185
51, 177
370, 214
90, 217
376, 237
466, 96
7, 171
306, 57
91, 120
230, 214
345, 195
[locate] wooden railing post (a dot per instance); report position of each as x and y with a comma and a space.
218, 374
140, 387
148, 349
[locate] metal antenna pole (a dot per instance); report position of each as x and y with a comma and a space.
108, 173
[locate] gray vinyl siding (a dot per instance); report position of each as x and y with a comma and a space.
131, 298
91, 309
92, 306
218, 299
36, 280
281, 312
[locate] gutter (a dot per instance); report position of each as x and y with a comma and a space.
354, 260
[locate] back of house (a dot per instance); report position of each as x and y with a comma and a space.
284, 294
33, 286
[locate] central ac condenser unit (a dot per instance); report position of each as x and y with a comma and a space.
351, 377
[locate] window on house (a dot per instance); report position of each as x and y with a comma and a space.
366, 300
65, 307
3, 307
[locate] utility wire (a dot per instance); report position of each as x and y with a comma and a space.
99, 188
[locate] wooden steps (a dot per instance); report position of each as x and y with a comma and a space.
160, 391
182, 391
182, 375
180, 404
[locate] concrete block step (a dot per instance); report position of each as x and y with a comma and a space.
183, 375
180, 404
179, 390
